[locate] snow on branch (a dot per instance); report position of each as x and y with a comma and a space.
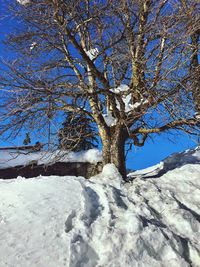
92, 53
109, 119
125, 93
33, 45
24, 2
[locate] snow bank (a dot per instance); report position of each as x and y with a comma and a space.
70, 221
176, 160
22, 158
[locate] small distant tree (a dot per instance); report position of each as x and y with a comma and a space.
27, 139
130, 66
77, 133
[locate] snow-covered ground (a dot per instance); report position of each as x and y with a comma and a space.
172, 162
103, 222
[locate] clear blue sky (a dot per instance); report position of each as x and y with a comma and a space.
150, 154
159, 148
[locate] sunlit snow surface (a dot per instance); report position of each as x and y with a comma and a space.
103, 222
22, 158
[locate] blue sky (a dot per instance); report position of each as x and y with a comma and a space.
159, 148
154, 150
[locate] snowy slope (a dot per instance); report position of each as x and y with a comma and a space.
102, 222
176, 160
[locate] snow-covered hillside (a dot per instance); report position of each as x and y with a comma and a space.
103, 222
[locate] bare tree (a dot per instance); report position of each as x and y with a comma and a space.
125, 64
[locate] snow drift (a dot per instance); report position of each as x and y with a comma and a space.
69, 221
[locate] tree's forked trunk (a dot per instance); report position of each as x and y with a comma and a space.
114, 150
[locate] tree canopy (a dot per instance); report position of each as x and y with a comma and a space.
131, 66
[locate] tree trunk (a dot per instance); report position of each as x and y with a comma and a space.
114, 149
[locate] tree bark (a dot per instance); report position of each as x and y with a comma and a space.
114, 149
195, 71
